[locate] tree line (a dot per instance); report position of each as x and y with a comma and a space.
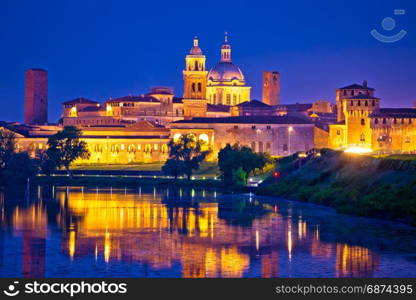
63, 148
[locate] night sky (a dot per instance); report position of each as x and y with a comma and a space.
101, 49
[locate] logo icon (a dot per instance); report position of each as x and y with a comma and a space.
389, 24
12, 291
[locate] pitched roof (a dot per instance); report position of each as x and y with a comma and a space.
217, 108
131, 98
294, 107
249, 120
80, 100
92, 108
254, 104
395, 113
356, 86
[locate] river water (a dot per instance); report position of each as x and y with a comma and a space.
159, 232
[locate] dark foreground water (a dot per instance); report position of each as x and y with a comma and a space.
153, 232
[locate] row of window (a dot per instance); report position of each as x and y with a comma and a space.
196, 67
230, 99
147, 148
194, 87
384, 121
373, 103
352, 93
385, 138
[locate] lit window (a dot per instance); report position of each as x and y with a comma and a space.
204, 137
176, 137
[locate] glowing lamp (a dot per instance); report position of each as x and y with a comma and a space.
357, 150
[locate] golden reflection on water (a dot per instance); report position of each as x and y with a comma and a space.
116, 225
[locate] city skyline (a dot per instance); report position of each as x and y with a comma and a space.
116, 54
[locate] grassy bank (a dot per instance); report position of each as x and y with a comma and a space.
120, 181
382, 187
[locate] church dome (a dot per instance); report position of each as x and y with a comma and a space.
195, 51
225, 71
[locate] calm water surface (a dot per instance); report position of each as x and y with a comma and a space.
155, 232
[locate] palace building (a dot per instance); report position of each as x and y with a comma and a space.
216, 107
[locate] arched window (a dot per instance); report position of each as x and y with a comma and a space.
375, 121
199, 87
366, 103
131, 148
164, 148
148, 148
362, 122
268, 147
384, 121
253, 146
193, 87
196, 65
260, 146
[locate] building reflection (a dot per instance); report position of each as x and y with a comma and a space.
162, 229
354, 261
32, 225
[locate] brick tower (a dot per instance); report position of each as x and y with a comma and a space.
271, 88
36, 97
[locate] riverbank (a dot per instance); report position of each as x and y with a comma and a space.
382, 187
124, 181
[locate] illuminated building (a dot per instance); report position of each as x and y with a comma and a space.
226, 83
363, 124
216, 104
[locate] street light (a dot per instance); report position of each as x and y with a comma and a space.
289, 130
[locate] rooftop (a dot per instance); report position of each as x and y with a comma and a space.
131, 98
254, 104
248, 120
395, 113
218, 108
80, 100
357, 86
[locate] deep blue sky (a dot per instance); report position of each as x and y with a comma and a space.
100, 49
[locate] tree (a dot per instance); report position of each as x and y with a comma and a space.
65, 147
7, 147
174, 167
186, 153
234, 160
20, 167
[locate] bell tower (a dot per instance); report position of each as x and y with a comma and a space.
195, 83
